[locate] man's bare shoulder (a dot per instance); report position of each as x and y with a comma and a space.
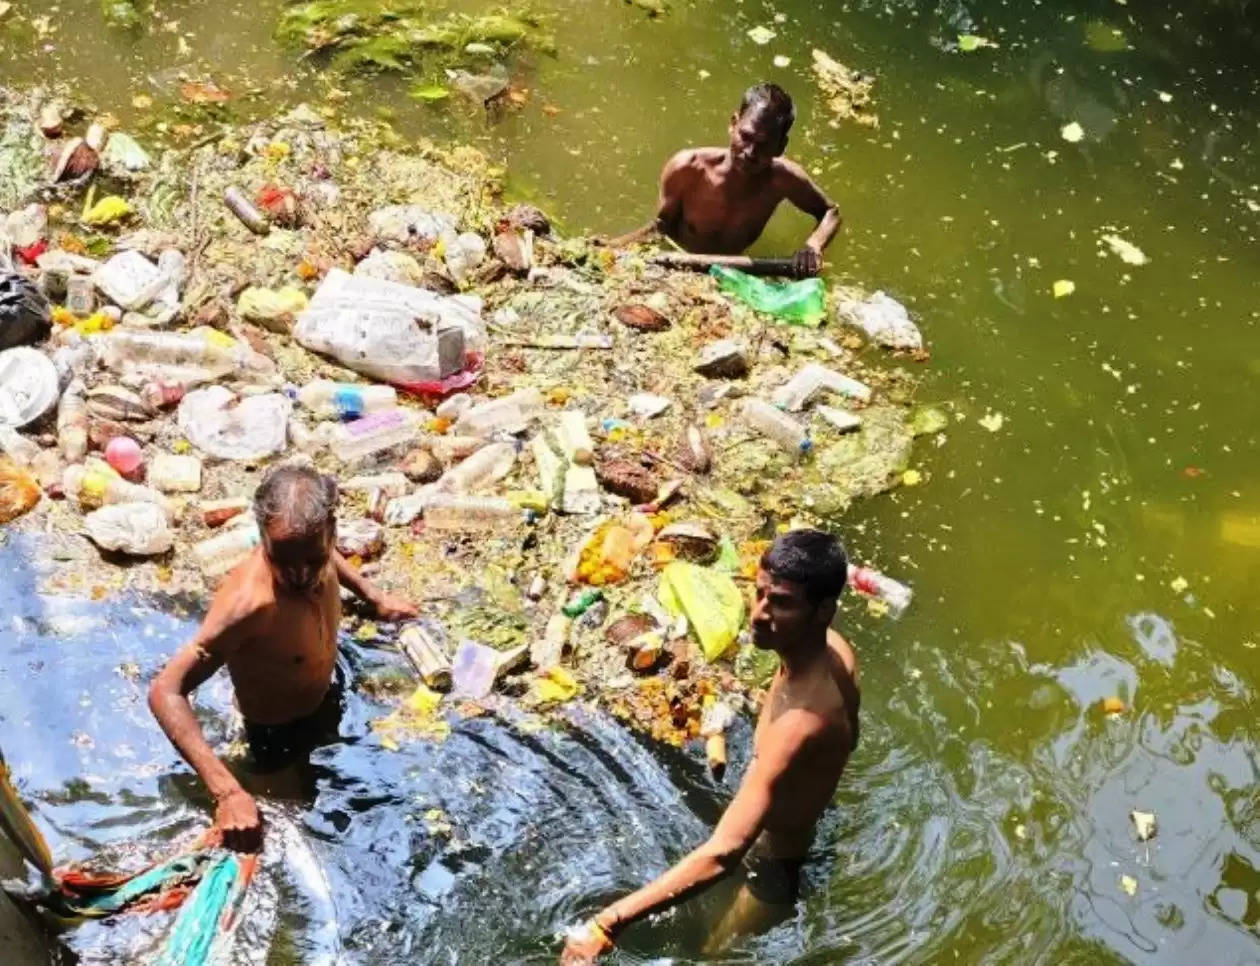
694, 160
246, 595
844, 651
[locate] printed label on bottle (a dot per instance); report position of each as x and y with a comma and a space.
390, 419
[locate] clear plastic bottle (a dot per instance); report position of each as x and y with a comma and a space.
72, 422
485, 467
509, 414
374, 434
170, 473
452, 449
795, 394
220, 554
778, 426
454, 512
95, 485
161, 394
344, 400
203, 347
24, 452
574, 438
874, 584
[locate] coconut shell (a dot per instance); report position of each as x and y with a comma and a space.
527, 217
421, 466
117, 403
627, 479
693, 452
639, 316
691, 541
75, 161
515, 250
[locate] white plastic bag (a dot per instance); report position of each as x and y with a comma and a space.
883, 319
28, 386
139, 529
386, 330
219, 424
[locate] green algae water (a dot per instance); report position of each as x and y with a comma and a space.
1087, 525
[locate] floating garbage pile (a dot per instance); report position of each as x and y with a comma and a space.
571, 458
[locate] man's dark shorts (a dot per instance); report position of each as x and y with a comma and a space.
273, 747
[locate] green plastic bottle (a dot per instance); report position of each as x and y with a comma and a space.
798, 303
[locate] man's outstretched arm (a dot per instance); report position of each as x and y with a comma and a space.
719, 856
668, 206
236, 813
387, 606
800, 189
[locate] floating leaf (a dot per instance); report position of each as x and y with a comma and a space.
554, 685
1105, 38
196, 92
969, 42
781, 61
429, 92
1165, 97
1064, 287
1129, 253
761, 35
1072, 132
107, 211
1143, 825
1129, 885
911, 478
992, 421
1179, 585
1113, 705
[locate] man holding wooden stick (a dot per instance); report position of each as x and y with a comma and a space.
717, 201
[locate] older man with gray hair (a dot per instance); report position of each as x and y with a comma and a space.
274, 624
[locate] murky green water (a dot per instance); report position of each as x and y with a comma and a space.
1104, 540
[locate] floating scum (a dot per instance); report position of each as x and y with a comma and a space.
533, 510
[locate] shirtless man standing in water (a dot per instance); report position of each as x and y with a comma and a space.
717, 201
807, 729
274, 624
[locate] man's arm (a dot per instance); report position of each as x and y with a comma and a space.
387, 606
236, 814
668, 207
800, 189
720, 855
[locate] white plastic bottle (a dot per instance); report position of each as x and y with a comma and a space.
874, 584
509, 414
485, 467
344, 400
778, 426
795, 394
454, 512
374, 434
203, 347
72, 422
95, 484
220, 554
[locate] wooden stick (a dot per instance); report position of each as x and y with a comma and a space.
702, 263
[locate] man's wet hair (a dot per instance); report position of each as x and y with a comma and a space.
772, 102
811, 558
298, 496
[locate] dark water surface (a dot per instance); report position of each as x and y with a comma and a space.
1103, 541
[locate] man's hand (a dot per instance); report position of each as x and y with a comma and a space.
391, 608
237, 818
584, 945
807, 262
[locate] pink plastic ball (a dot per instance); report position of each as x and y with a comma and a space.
123, 454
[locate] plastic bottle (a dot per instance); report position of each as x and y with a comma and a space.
95, 485
485, 467
161, 394
452, 449
220, 554
22, 451
778, 426
204, 347
375, 433
244, 209
547, 651
874, 584
574, 439
795, 394
427, 655
344, 400
506, 415
454, 512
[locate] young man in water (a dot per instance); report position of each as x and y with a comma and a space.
806, 730
717, 201
274, 624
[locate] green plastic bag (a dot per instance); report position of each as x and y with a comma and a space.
713, 604
798, 303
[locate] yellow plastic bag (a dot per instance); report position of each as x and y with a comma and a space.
107, 211
711, 601
18, 490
